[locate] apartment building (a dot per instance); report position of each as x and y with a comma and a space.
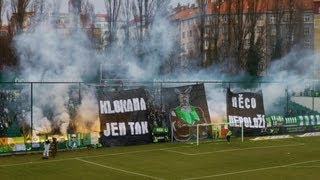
3, 31
225, 22
316, 11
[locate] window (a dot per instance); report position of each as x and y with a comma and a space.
183, 23
290, 38
183, 35
206, 44
307, 43
223, 42
225, 18
207, 20
273, 31
207, 31
260, 29
272, 19
224, 29
247, 42
306, 31
261, 18
190, 33
306, 18
286, 18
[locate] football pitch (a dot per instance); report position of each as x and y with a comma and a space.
293, 159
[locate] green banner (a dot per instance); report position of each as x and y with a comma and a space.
303, 120
273, 121
291, 121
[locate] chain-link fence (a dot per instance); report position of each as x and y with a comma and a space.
33, 111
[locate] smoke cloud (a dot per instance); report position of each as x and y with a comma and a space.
49, 54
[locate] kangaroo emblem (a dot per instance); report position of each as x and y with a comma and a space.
185, 117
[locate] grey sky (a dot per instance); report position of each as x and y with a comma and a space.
100, 7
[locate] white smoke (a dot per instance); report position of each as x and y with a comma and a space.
51, 56
47, 55
55, 55
289, 75
216, 97
87, 116
42, 125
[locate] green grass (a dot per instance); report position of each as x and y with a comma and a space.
293, 159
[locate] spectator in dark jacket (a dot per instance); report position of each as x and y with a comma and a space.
54, 147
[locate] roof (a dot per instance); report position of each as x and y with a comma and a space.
186, 12
101, 15
262, 5
4, 28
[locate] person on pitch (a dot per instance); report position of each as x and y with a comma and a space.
229, 134
54, 147
46, 149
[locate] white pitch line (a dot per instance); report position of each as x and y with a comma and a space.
93, 156
252, 170
178, 152
132, 152
117, 169
241, 149
230, 150
36, 162
305, 166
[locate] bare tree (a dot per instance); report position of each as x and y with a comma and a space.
3, 6
234, 32
16, 19
56, 5
126, 12
82, 12
213, 33
39, 6
87, 13
255, 36
295, 25
201, 29
230, 34
113, 11
285, 26
41, 12
19, 10
278, 12
143, 12
75, 10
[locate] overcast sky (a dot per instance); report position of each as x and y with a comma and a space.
99, 4
100, 7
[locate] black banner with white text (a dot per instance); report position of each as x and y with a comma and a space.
123, 118
246, 108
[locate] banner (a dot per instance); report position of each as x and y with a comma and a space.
188, 107
246, 108
295, 124
302, 120
123, 118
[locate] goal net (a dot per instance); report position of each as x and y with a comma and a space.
219, 131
